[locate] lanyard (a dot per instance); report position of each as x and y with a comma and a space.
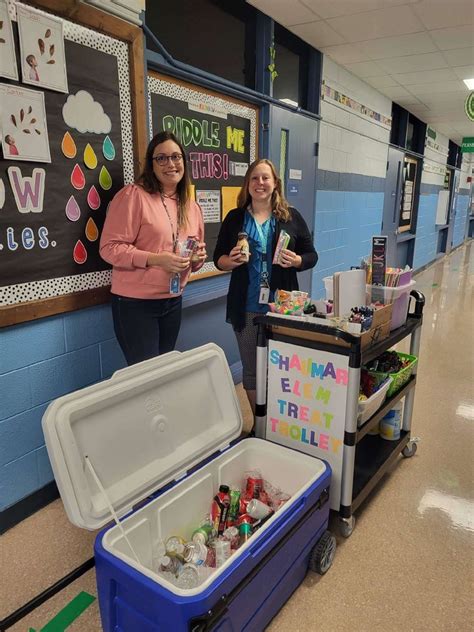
175, 237
263, 230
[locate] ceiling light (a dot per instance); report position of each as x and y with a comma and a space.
469, 83
291, 102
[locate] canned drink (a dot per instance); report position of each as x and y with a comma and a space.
195, 552
202, 534
234, 495
245, 531
254, 484
223, 551
174, 546
232, 534
258, 510
169, 564
244, 501
193, 247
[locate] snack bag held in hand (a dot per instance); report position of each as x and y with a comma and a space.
283, 241
242, 241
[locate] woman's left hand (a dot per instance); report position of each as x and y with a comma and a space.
289, 259
201, 252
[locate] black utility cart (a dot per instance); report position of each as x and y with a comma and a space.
302, 365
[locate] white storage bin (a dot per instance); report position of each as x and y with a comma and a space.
329, 285
399, 296
370, 406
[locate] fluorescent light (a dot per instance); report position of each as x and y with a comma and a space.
469, 83
291, 102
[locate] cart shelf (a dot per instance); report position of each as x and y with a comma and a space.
374, 457
413, 322
387, 407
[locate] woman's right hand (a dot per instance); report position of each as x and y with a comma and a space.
169, 261
233, 260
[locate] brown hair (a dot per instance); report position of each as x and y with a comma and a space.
151, 184
280, 207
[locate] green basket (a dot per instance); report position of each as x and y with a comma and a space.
398, 379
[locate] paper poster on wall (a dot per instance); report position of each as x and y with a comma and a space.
210, 203
23, 121
306, 404
229, 199
8, 67
43, 62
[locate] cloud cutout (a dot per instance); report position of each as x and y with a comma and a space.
81, 112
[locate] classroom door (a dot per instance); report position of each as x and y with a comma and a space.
292, 148
392, 201
452, 208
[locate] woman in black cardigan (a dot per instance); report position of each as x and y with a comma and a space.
262, 213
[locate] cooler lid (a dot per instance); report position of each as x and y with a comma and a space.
140, 430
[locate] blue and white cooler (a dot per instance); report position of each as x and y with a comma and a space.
151, 446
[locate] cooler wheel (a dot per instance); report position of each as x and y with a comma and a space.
346, 526
322, 555
409, 450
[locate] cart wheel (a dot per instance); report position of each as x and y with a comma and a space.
409, 450
323, 553
346, 526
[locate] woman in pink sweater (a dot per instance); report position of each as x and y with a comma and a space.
146, 225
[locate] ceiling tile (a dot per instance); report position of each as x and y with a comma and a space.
364, 68
458, 37
375, 24
439, 88
331, 8
440, 14
344, 53
394, 92
318, 34
409, 63
425, 76
398, 45
381, 81
285, 12
459, 56
411, 101
464, 72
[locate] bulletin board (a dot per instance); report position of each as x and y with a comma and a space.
219, 135
409, 184
92, 121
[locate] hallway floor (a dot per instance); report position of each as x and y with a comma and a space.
409, 565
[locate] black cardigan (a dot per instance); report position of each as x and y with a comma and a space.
281, 278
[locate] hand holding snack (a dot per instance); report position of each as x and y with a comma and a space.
289, 259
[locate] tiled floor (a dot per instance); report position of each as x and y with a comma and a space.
409, 565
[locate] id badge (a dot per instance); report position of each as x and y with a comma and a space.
175, 284
264, 296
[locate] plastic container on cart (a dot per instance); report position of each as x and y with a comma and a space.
391, 425
329, 287
399, 296
369, 407
400, 378
148, 443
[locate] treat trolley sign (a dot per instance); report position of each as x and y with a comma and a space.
306, 404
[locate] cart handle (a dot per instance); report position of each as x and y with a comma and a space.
419, 303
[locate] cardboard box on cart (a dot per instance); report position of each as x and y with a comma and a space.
168, 425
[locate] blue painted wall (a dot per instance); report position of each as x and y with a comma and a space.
460, 219
349, 210
426, 241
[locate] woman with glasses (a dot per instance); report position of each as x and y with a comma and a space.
262, 214
144, 235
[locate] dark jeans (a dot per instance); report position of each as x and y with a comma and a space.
146, 327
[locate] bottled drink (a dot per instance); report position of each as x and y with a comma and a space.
174, 546
242, 242
220, 509
193, 245
232, 534
170, 565
223, 551
234, 497
188, 577
195, 552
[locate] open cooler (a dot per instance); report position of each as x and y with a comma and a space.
152, 444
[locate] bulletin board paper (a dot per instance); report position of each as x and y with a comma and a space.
8, 67
306, 404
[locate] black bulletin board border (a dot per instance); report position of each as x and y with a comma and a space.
180, 92
107, 24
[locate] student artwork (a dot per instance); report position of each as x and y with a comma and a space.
23, 120
68, 146
81, 112
8, 67
72, 210
43, 62
28, 190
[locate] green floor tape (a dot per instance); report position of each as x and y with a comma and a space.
67, 615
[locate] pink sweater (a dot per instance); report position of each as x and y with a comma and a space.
137, 225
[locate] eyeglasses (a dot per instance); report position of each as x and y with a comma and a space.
162, 159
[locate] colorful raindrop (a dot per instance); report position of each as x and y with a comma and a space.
78, 179
108, 149
93, 198
68, 146
73, 212
90, 159
92, 232
105, 180
79, 253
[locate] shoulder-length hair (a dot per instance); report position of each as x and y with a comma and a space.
280, 207
151, 184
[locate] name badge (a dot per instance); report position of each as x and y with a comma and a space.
264, 296
175, 284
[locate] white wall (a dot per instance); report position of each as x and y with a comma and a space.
349, 141
436, 157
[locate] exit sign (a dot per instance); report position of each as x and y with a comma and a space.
467, 146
